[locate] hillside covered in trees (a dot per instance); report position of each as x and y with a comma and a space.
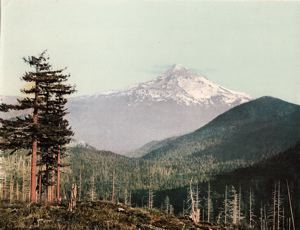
106, 176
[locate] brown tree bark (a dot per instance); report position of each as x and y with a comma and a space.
23, 183
40, 187
58, 197
33, 197
52, 186
4, 188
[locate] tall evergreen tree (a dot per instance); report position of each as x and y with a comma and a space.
55, 129
44, 129
22, 132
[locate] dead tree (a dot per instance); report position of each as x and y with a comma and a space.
150, 189
113, 190
278, 206
261, 217
4, 188
167, 204
274, 210
17, 191
251, 209
129, 199
11, 189
92, 191
208, 203
290, 204
73, 199
235, 208
225, 206
150, 198
195, 211
239, 205
80, 184
197, 203
125, 196
24, 181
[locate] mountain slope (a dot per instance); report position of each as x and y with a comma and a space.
259, 177
167, 106
91, 215
249, 132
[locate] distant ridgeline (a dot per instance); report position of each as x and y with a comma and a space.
243, 166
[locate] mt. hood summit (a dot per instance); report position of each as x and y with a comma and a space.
177, 102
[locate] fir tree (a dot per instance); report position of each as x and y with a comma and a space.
44, 129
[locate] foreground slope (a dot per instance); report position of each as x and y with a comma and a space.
90, 215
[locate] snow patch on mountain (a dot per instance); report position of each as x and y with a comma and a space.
182, 86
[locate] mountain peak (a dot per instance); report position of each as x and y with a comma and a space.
182, 86
176, 69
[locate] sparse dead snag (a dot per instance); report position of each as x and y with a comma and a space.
73, 199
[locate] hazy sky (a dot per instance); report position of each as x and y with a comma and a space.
252, 47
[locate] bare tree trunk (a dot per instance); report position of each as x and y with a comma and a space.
150, 192
23, 182
33, 197
235, 207
278, 206
11, 189
261, 217
195, 212
198, 213
48, 188
58, 197
40, 187
239, 205
250, 209
17, 191
150, 198
113, 188
4, 188
265, 218
208, 203
283, 220
52, 186
129, 203
92, 191
80, 181
73, 199
274, 207
192, 198
125, 196
225, 206
290, 204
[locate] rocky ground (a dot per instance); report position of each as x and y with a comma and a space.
90, 215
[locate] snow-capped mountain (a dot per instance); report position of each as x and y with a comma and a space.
184, 87
177, 102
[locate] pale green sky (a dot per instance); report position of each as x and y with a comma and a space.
252, 47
